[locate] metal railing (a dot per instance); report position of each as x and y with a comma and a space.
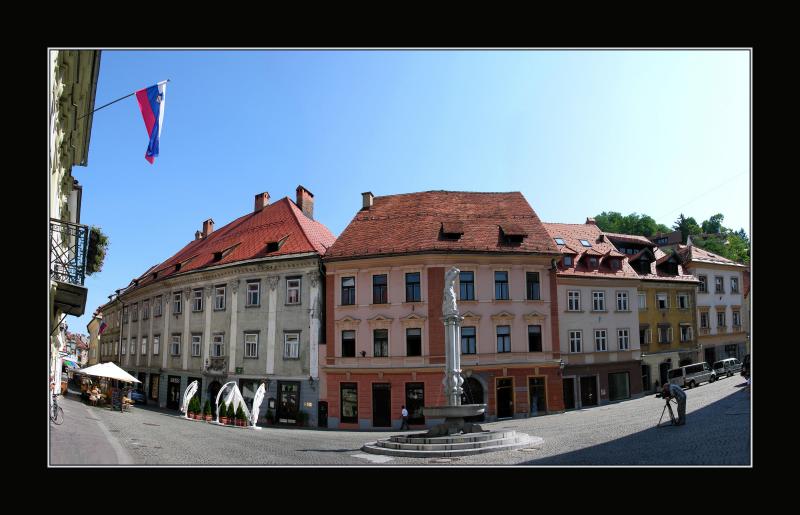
69, 245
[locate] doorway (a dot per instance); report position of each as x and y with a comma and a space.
588, 391
710, 355
174, 392
663, 368
322, 414
646, 378
569, 392
154, 380
288, 401
505, 398
213, 390
537, 395
381, 405
473, 394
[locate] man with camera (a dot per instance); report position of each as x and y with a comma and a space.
669, 391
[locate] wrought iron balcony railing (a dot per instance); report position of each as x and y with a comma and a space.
68, 251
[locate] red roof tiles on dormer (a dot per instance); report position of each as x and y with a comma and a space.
572, 234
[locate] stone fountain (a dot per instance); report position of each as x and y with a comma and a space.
453, 437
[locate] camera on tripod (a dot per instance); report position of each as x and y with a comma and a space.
668, 407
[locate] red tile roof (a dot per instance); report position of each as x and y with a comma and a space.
246, 238
695, 253
656, 274
572, 234
412, 222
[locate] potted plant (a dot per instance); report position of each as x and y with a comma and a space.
240, 418
270, 416
223, 413
198, 410
207, 411
231, 414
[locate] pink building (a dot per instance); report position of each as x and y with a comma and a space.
384, 332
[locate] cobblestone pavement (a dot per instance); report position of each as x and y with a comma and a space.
717, 432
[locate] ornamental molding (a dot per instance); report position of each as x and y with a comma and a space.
534, 316
503, 316
413, 320
380, 321
348, 320
313, 279
469, 316
273, 281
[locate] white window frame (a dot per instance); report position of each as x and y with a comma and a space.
290, 289
734, 285
736, 317
683, 296
124, 349
724, 322
598, 296
573, 296
719, 281
143, 346
145, 310
622, 296
707, 318
196, 298
219, 306
642, 300
175, 340
665, 297
157, 306
703, 286
156, 342
250, 347
177, 302
218, 345
135, 312
197, 342
686, 333
575, 341
133, 346
253, 291
600, 340
623, 339
291, 347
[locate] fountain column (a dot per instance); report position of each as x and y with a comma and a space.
452, 379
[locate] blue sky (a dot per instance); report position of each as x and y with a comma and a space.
577, 132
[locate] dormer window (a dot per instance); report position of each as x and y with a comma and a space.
512, 233
560, 241
585, 243
567, 261
592, 262
614, 264
452, 230
220, 254
274, 246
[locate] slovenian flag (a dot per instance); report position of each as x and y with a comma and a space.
151, 102
103, 326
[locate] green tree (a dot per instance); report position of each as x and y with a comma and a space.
687, 227
714, 224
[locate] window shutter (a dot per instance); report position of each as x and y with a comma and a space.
669, 334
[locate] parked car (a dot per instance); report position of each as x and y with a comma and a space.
692, 375
137, 396
746, 367
727, 367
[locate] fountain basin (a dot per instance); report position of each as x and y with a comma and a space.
465, 410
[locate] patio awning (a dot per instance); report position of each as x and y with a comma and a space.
111, 371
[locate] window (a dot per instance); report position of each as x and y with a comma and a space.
293, 290
197, 300
559, 241
619, 386
414, 342
574, 300
348, 291
592, 262
175, 345
614, 263
125, 315
703, 287
737, 321
219, 298
642, 300
176, 303
734, 285
600, 340
623, 339
683, 301
468, 340
644, 335
466, 286
598, 301
156, 342
567, 260
196, 345
585, 243
534, 338
144, 345
662, 300
664, 333
145, 310
719, 285
532, 280
575, 338
379, 289
380, 343
134, 312
133, 346
720, 319
622, 301
704, 320
348, 344
291, 345
415, 400
412, 287
157, 306
218, 345
501, 285
349, 396
503, 338
124, 349
250, 345
686, 333
253, 293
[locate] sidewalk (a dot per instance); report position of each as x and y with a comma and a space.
83, 439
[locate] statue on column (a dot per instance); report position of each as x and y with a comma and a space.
449, 306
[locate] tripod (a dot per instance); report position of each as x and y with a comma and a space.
667, 406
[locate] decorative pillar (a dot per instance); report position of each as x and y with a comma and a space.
138, 334
272, 282
150, 335
186, 339
207, 326
232, 337
313, 337
166, 338
453, 380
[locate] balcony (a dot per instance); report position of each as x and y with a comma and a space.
68, 252
216, 366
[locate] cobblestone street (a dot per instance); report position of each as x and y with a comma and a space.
717, 432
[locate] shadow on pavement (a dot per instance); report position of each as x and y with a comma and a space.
717, 434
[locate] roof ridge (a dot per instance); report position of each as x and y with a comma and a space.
292, 205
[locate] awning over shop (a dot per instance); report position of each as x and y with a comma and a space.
111, 371
71, 364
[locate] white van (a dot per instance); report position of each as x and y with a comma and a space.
692, 375
727, 367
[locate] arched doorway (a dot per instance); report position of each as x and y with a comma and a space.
663, 368
473, 394
213, 390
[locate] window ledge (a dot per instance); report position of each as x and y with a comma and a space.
574, 311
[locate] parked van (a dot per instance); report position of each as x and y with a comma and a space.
727, 367
692, 375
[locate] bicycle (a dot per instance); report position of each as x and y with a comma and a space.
56, 412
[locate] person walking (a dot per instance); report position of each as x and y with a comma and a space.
404, 412
672, 390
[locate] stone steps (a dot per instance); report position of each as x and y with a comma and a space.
455, 445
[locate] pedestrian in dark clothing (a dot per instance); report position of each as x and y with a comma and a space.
673, 390
404, 425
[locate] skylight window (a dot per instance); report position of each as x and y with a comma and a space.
586, 243
560, 241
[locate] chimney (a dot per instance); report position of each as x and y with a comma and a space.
305, 201
262, 201
208, 227
591, 221
366, 198
198, 235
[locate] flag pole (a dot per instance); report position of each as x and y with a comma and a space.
121, 98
